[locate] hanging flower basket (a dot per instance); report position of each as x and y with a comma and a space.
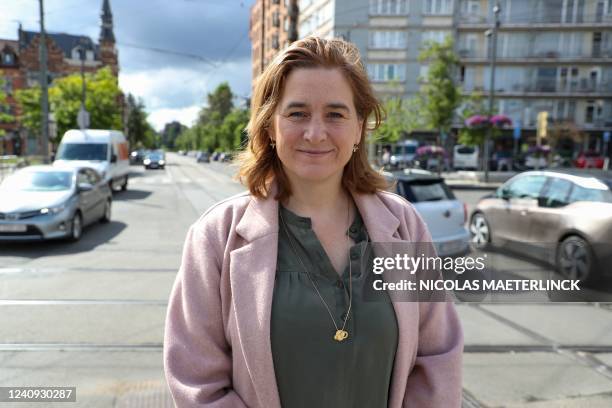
482, 121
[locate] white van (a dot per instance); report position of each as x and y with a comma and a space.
465, 157
105, 150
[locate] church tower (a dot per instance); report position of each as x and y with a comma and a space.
108, 51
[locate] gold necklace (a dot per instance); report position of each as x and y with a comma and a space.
340, 334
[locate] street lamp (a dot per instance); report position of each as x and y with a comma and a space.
492, 33
83, 115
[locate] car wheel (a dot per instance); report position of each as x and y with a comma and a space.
575, 260
77, 227
480, 232
125, 184
107, 212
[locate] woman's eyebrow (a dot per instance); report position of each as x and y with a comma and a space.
332, 105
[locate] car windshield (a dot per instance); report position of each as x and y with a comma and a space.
155, 156
427, 190
38, 181
82, 151
410, 149
466, 150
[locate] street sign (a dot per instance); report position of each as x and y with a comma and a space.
517, 130
606, 137
83, 118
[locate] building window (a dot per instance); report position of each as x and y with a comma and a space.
437, 6
388, 7
388, 39
276, 19
275, 43
434, 35
8, 58
387, 72
8, 85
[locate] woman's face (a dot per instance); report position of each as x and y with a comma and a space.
315, 124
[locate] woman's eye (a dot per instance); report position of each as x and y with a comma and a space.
335, 114
297, 114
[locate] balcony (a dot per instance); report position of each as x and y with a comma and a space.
582, 87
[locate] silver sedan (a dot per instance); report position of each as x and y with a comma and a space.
48, 202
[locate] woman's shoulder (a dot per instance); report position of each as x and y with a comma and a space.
411, 222
225, 210
395, 203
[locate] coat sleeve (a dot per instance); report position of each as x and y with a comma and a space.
197, 356
436, 377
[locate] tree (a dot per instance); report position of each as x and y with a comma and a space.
102, 95
5, 116
401, 118
473, 136
170, 133
439, 97
137, 125
232, 135
29, 102
219, 105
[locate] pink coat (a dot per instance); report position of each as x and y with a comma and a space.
217, 350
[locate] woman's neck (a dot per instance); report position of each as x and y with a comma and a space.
317, 198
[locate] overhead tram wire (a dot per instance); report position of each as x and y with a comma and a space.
173, 52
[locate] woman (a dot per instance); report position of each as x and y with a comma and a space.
268, 307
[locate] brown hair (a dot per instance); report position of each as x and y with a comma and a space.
259, 163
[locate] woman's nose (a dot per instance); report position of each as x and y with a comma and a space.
315, 131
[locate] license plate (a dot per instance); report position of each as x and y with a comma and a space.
13, 228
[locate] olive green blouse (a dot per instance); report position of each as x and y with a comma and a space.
312, 369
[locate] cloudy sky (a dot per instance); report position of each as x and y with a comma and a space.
173, 86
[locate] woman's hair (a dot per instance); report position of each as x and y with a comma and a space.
259, 163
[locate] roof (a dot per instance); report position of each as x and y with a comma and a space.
66, 42
13, 44
412, 174
589, 178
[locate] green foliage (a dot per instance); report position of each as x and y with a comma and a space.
473, 105
137, 124
4, 116
220, 126
102, 96
402, 117
439, 97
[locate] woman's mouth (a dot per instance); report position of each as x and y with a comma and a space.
315, 153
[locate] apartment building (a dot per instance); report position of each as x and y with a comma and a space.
552, 55
273, 26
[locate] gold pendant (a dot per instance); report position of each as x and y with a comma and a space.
341, 335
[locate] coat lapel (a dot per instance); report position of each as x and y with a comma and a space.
382, 226
252, 273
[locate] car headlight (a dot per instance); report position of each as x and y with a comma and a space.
53, 210
147, 161
162, 162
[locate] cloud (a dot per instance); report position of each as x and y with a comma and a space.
186, 116
169, 84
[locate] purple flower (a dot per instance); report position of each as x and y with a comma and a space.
500, 120
477, 121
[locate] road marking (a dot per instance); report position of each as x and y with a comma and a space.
36, 302
80, 347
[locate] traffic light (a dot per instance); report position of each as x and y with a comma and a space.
542, 126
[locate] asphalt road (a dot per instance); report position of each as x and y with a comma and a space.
91, 314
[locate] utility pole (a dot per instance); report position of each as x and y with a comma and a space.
493, 33
44, 100
83, 115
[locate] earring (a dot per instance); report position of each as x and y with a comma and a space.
355, 148
272, 144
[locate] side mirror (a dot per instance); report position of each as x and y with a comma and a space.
503, 194
542, 202
113, 158
84, 187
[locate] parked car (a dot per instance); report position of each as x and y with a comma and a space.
203, 157
154, 160
403, 153
430, 157
444, 215
215, 156
589, 159
104, 150
137, 156
48, 202
560, 217
465, 157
